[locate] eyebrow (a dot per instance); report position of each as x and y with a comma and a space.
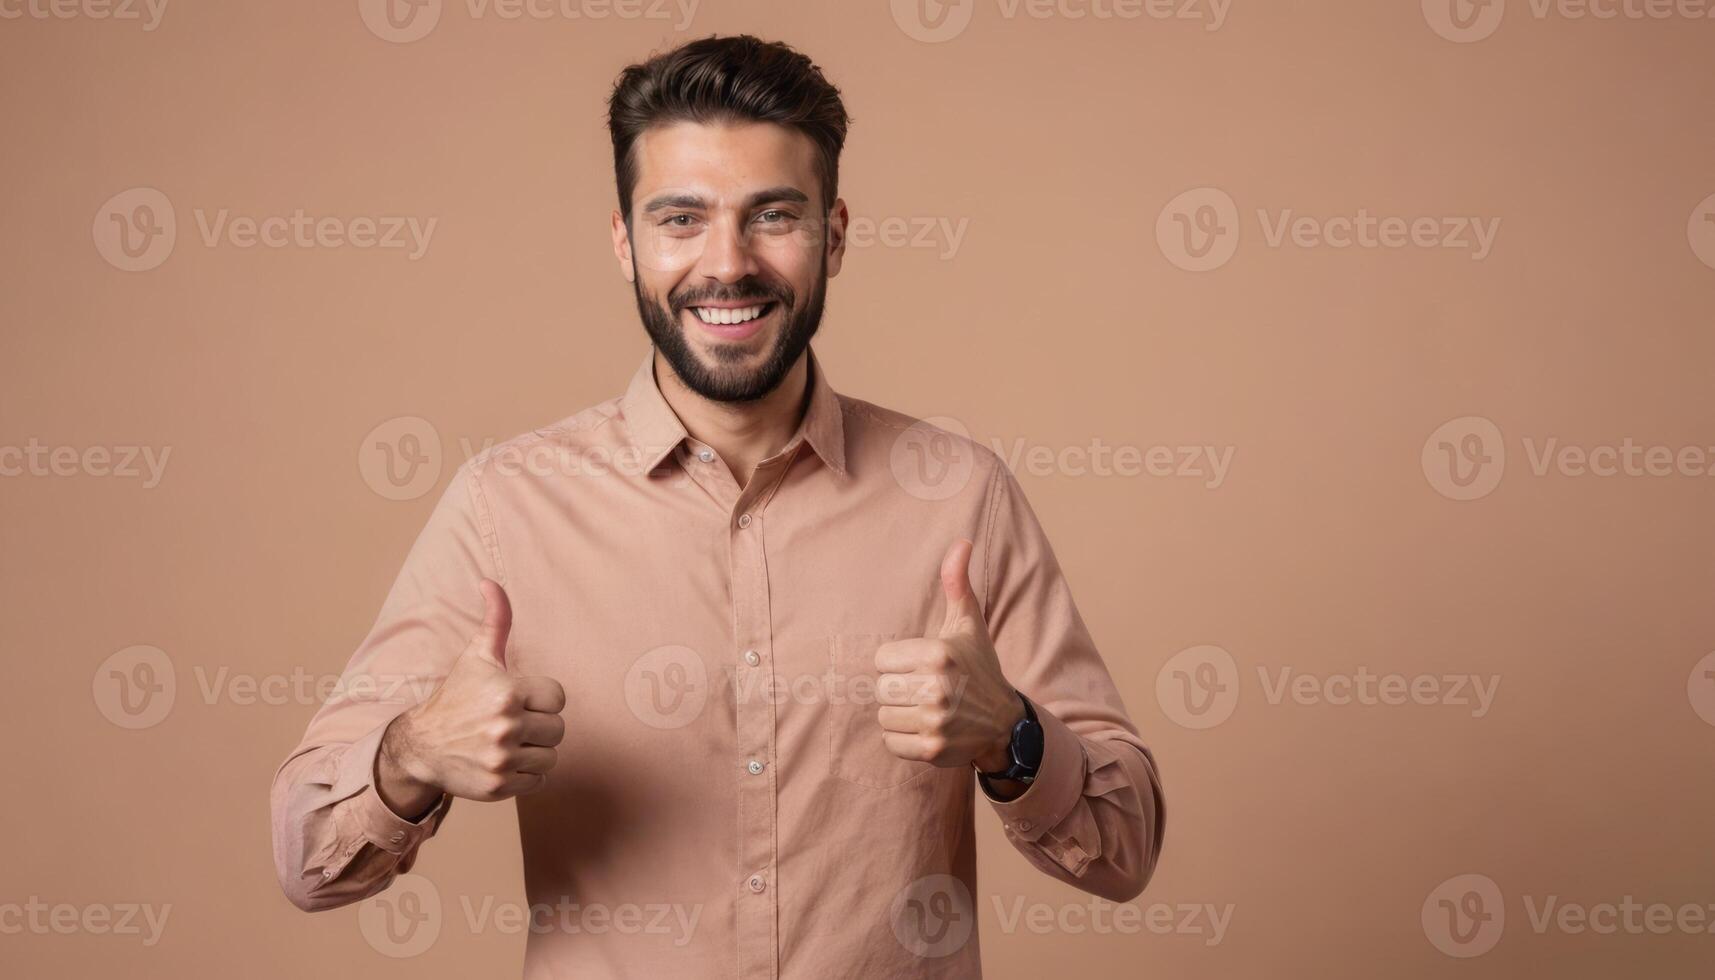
693, 202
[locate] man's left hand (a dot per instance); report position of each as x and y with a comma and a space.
943, 698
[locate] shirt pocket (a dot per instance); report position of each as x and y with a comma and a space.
855, 750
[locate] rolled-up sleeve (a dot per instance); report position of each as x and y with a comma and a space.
335, 840
1094, 816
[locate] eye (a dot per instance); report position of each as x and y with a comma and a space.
774, 216
680, 220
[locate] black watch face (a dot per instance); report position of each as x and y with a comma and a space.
1027, 743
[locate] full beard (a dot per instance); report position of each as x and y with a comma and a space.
730, 381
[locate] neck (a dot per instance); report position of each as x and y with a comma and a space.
743, 433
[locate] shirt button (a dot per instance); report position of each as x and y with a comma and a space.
706, 455
756, 883
1025, 825
755, 768
752, 658
744, 520
327, 874
398, 835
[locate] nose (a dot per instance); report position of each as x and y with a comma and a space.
727, 256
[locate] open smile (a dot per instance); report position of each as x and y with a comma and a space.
733, 321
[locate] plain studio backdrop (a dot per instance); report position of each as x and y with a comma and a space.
1422, 662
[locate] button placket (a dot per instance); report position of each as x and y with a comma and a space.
757, 914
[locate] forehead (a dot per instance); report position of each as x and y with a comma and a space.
723, 160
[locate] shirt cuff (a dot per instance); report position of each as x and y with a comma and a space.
370, 814
1058, 785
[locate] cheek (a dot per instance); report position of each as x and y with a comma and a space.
794, 264
659, 284
661, 258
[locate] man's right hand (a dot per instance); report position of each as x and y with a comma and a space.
483, 735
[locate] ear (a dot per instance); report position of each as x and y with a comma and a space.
622, 246
837, 220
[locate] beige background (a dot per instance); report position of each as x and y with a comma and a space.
1059, 319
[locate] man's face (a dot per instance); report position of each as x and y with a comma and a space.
729, 252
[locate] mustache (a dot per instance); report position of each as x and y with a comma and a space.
744, 289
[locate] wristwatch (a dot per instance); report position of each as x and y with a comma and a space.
1025, 748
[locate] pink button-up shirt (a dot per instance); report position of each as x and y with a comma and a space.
723, 764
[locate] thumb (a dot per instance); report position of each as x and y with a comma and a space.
490, 640
956, 586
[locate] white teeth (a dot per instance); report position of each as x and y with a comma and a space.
711, 315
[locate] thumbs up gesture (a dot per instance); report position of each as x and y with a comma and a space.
485, 734
943, 698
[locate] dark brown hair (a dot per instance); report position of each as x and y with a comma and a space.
727, 79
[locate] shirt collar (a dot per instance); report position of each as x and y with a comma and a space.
656, 431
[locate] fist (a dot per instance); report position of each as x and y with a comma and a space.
943, 699
485, 734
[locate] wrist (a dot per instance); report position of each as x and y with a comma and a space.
402, 778
998, 757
